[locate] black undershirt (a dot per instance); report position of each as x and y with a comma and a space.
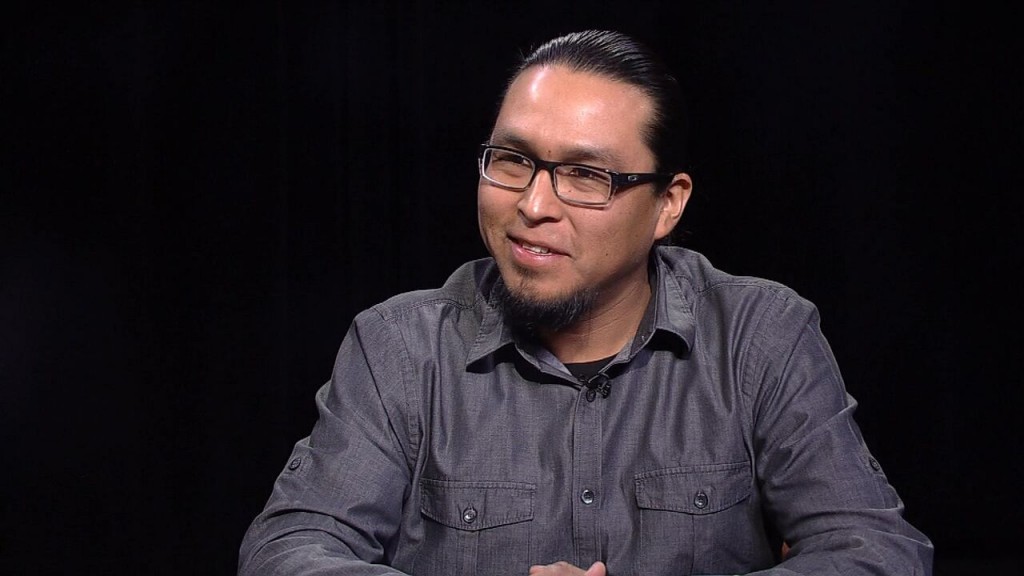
584, 371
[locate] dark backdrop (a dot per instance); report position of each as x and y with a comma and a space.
197, 197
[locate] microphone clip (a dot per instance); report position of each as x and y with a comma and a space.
599, 384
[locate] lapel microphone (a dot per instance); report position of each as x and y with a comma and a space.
598, 384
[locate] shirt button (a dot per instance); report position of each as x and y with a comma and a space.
469, 515
295, 463
700, 500
874, 464
587, 496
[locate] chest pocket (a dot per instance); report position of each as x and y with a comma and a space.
690, 518
694, 490
475, 527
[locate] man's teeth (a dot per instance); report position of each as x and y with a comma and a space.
536, 249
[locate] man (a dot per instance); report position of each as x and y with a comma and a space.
588, 399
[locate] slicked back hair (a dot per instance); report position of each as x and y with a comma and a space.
621, 58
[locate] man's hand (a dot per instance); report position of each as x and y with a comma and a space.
566, 569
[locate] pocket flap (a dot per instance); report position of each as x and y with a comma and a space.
476, 505
694, 489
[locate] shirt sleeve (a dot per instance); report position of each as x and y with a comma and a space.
823, 490
337, 504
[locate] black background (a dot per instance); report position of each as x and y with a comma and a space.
197, 197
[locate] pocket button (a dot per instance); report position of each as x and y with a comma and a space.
700, 500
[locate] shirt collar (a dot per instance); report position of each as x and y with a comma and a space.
493, 333
668, 320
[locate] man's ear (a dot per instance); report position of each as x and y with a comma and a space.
673, 202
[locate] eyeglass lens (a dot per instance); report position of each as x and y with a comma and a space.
572, 182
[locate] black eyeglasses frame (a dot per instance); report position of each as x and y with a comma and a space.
619, 180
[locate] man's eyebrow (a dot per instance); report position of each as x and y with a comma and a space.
582, 154
511, 141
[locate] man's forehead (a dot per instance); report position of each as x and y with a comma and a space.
571, 151
570, 116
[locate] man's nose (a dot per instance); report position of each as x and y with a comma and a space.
539, 202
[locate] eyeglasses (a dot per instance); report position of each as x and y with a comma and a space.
573, 183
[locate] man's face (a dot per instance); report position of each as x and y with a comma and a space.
548, 251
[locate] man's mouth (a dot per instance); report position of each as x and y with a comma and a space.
534, 249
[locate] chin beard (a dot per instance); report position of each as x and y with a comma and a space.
522, 312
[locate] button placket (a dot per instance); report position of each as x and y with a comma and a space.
587, 451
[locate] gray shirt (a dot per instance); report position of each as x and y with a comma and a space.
449, 445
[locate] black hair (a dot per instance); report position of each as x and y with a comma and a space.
621, 58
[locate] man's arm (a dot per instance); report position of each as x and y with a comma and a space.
823, 490
337, 504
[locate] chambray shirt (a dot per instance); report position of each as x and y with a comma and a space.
448, 445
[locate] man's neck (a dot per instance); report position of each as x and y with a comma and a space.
603, 332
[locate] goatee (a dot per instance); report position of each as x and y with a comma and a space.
532, 315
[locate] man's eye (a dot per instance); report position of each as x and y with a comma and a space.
511, 158
586, 173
